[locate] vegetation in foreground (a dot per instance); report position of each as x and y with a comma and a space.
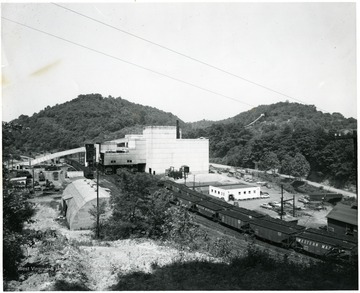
255, 271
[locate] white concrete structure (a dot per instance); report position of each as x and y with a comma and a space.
164, 150
235, 192
157, 149
154, 151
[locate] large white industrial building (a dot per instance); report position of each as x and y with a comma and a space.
157, 149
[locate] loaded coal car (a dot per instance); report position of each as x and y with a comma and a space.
326, 244
235, 220
219, 202
208, 209
275, 231
185, 200
171, 185
248, 213
195, 193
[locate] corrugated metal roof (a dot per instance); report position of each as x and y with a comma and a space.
78, 193
344, 213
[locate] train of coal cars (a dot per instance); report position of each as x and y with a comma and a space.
289, 235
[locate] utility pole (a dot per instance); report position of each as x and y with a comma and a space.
282, 202
97, 196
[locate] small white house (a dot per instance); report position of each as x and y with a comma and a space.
235, 191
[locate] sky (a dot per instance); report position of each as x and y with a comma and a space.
196, 60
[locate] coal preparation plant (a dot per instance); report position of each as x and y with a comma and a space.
155, 151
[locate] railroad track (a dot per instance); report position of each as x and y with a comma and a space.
243, 240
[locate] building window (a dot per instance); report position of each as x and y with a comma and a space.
244, 192
254, 191
113, 161
129, 161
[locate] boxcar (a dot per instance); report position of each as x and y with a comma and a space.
324, 243
234, 219
275, 230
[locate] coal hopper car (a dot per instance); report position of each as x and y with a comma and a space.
275, 231
326, 244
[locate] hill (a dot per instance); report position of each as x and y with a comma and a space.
285, 129
86, 119
267, 133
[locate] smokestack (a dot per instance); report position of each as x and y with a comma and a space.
177, 130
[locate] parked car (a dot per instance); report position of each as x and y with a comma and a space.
303, 200
263, 193
266, 206
275, 204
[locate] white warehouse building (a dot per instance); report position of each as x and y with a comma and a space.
157, 149
235, 191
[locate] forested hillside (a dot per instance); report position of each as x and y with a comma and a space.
86, 119
285, 134
287, 130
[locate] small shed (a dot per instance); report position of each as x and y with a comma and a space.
78, 198
343, 219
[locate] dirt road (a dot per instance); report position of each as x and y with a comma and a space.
77, 258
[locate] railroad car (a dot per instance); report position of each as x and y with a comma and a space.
219, 202
234, 219
208, 209
185, 200
195, 193
173, 186
275, 231
326, 244
249, 213
286, 234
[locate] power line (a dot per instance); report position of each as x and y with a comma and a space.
128, 62
182, 54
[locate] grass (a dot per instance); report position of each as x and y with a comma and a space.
255, 271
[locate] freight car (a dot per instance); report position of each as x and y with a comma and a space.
209, 209
278, 232
249, 213
235, 219
185, 200
325, 244
275, 231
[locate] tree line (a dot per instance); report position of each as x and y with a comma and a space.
289, 136
285, 130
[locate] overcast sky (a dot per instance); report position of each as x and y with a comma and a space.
273, 51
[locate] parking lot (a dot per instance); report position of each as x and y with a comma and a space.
307, 214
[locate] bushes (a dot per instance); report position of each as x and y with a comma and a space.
257, 270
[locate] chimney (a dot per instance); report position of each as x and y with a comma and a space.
177, 130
